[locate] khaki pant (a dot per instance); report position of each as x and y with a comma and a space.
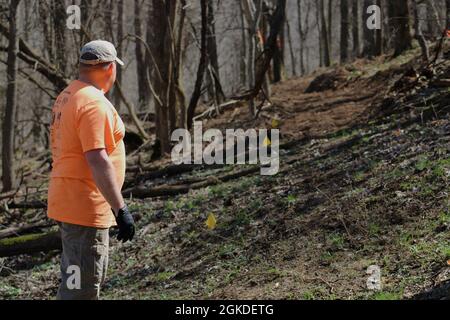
84, 261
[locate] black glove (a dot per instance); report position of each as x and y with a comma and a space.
125, 222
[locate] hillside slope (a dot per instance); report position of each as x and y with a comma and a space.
364, 181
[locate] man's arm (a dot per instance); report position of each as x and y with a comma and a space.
105, 178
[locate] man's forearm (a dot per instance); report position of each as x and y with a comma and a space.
105, 178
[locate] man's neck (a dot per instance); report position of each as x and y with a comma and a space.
85, 79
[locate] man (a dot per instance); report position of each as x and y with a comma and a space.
88, 172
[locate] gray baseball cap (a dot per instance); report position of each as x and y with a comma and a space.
99, 51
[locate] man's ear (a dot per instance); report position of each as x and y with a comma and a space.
111, 68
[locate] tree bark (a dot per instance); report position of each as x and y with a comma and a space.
278, 58
59, 22
244, 60
344, 31
215, 88
291, 49
355, 28
330, 26
302, 37
8, 176
163, 58
369, 35
276, 27
325, 39
141, 69
201, 66
120, 38
448, 14
379, 33
399, 16
419, 34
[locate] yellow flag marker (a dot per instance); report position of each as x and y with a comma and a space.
267, 142
275, 123
211, 222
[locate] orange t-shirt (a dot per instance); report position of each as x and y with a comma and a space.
83, 120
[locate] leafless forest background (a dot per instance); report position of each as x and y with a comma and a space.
161, 42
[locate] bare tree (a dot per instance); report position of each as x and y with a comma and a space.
278, 58
418, 31
369, 34
291, 48
344, 31
59, 26
120, 46
303, 30
161, 25
252, 12
400, 25
201, 66
330, 25
448, 14
355, 28
276, 27
243, 60
214, 86
325, 35
139, 52
8, 177
379, 33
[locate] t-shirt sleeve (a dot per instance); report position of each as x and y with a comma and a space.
96, 127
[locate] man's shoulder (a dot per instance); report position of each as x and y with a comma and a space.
81, 96
89, 94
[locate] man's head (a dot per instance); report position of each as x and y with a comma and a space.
98, 64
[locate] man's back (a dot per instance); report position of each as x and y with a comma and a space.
83, 120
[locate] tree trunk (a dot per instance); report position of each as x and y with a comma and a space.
399, 11
276, 27
379, 33
252, 12
325, 39
369, 35
160, 34
243, 61
278, 58
291, 49
215, 90
59, 23
302, 37
419, 34
143, 93
201, 66
8, 176
120, 36
344, 31
320, 34
330, 26
355, 28
179, 42
448, 14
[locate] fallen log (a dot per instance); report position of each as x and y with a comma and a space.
7, 195
142, 192
22, 229
29, 244
28, 205
154, 172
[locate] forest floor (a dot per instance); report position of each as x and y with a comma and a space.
364, 182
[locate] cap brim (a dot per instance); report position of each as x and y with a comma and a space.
120, 62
